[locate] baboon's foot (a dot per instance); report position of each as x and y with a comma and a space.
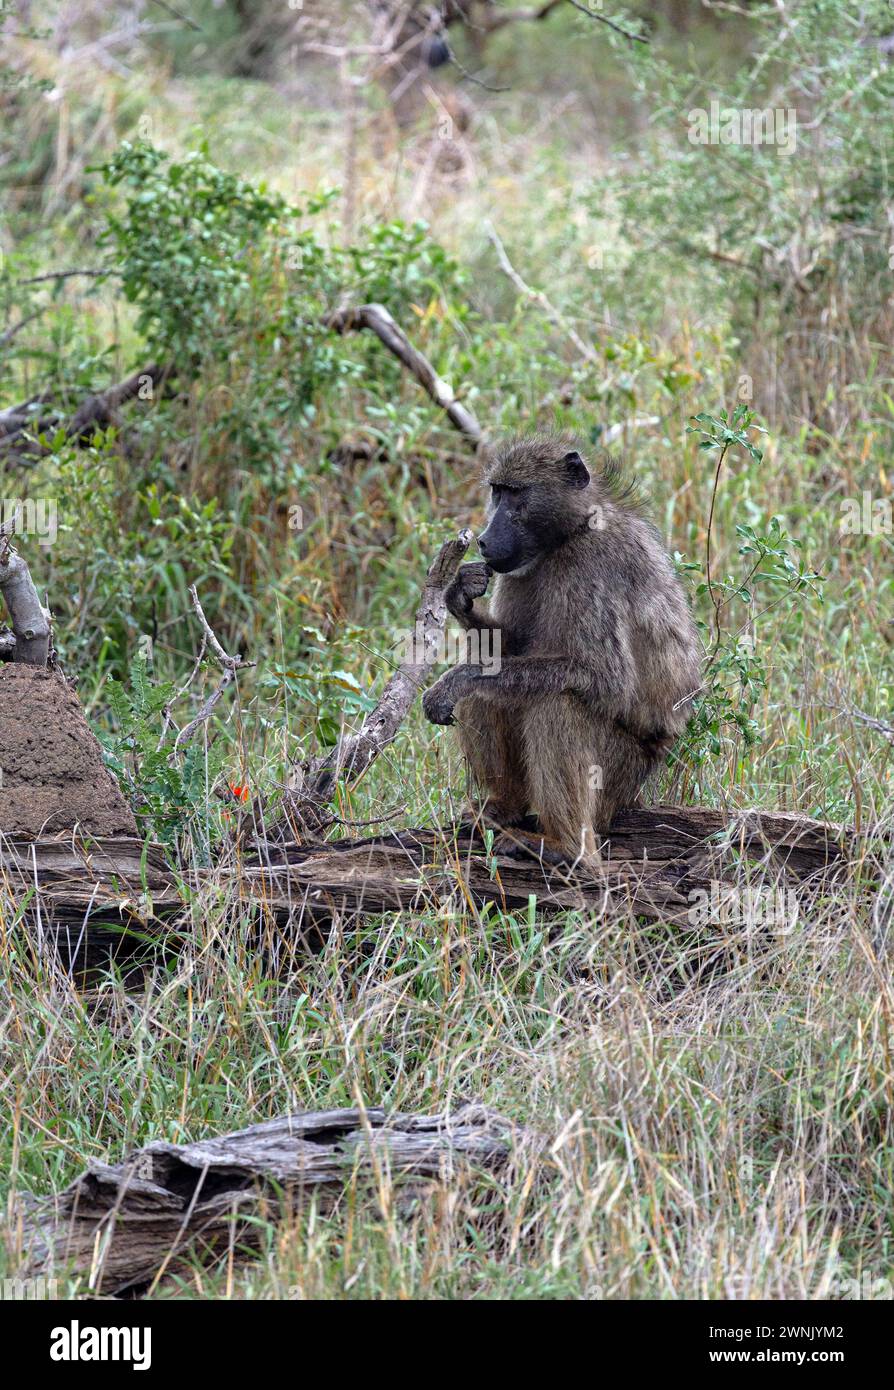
495, 815
520, 843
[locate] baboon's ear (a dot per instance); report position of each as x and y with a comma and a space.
576, 470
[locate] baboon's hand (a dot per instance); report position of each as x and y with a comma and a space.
439, 699
470, 583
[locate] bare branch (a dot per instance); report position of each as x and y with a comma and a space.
229, 664
179, 15
377, 318
538, 297
100, 411
470, 76
591, 14
355, 752
10, 333
879, 725
64, 275
95, 411
489, 23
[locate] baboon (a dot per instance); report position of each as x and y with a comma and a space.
415, 34
600, 657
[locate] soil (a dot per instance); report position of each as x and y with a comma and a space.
52, 776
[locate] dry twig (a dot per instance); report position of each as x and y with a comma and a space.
230, 665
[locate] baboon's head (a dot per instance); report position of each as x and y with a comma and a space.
539, 496
436, 51
421, 30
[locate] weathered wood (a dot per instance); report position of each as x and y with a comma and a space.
377, 319
101, 410
29, 619
127, 1224
92, 900
312, 784
95, 412
83, 872
91, 896
653, 862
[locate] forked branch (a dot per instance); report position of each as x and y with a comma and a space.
377, 319
313, 783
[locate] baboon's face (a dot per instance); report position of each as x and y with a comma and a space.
527, 520
435, 51
426, 21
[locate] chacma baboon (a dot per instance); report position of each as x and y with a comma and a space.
600, 658
416, 32
413, 36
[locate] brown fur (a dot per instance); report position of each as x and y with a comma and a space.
600, 656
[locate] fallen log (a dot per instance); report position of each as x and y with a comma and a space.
100, 410
124, 1226
95, 412
655, 863
92, 898
91, 901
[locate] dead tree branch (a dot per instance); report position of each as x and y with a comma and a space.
377, 319
354, 753
100, 411
880, 726
537, 296
126, 1225
603, 19
7, 337
493, 19
95, 412
56, 275
230, 665
29, 619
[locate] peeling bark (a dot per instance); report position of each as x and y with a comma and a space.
92, 898
125, 1225
655, 862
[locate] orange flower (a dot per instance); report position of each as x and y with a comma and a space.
240, 793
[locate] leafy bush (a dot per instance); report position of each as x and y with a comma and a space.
791, 235
169, 793
735, 669
224, 271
